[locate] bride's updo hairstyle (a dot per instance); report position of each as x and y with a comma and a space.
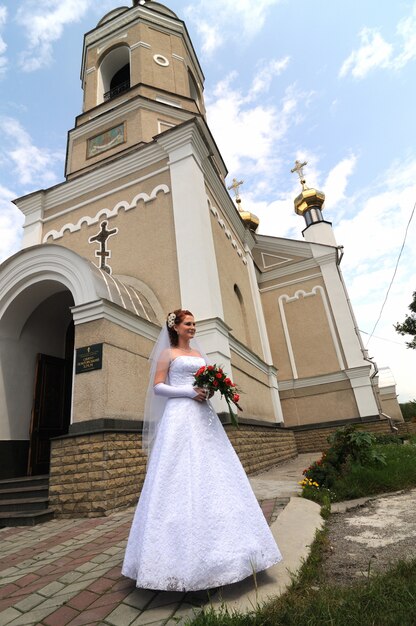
174, 318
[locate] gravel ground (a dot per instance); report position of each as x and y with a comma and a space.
371, 537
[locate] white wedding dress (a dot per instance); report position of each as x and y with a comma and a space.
198, 524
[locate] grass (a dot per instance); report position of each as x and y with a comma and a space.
358, 481
398, 473
387, 599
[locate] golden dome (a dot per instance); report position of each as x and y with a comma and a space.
308, 199
250, 220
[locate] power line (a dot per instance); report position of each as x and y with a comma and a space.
383, 338
394, 274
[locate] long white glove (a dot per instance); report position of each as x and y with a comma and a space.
184, 391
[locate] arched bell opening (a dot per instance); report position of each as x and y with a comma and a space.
114, 73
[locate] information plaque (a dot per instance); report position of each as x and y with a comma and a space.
89, 358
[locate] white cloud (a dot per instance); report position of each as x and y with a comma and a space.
265, 74
33, 165
337, 180
248, 132
376, 52
406, 29
11, 220
44, 22
3, 45
218, 21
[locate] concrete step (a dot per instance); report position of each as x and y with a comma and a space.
24, 481
34, 491
24, 501
26, 505
23, 518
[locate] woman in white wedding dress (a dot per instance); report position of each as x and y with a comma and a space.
198, 524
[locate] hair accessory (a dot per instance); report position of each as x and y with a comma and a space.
171, 320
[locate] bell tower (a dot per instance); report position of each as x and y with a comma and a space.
140, 76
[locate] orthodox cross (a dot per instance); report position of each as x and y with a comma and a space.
299, 171
236, 188
103, 253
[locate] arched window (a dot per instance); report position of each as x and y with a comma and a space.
114, 73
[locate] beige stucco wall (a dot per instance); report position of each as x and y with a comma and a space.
307, 329
118, 389
389, 404
321, 403
144, 247
255, 399
239, 315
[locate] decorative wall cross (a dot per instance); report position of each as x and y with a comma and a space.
103, 253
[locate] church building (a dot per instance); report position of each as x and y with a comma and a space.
143, 224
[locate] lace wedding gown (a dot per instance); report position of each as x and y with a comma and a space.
197, 524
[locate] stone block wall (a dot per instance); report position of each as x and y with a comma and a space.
92, 475
261, 447
315, 439
407, 428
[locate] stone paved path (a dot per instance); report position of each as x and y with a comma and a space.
68, 572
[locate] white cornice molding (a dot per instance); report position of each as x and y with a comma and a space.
102, 309
182, 141
100, 196
266, 243
324, 379
287, 283
140, 44
107, 173
358, 372
107, 114
287, 270
103, 213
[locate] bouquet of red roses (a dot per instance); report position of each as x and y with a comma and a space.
212, 378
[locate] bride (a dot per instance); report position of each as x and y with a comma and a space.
198, 524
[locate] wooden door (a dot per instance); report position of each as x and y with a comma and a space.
51, 410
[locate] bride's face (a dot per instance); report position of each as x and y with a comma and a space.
186, 328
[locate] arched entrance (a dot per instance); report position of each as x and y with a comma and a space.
44, 291
37, 346
38, 287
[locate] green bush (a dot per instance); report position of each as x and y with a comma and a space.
387, 439
349, 447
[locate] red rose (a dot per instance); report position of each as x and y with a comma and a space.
220, 370
200, 371
215, 383
228, 382
236, 397
210, 368
219, 375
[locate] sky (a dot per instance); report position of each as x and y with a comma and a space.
326, 81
